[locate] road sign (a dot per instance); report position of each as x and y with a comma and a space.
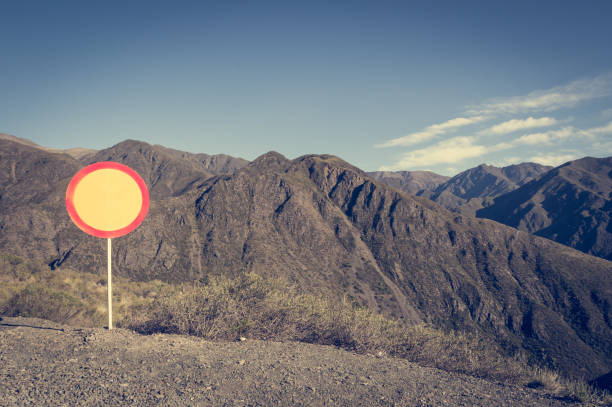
106, 200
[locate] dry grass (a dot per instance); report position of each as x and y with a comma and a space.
260, 308
66, 296
268, 309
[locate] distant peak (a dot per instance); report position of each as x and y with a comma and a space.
19, 140
132, 143
486, 166
325, 158
272, 154
527, 164
271, 158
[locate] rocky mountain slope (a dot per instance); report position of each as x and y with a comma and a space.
48, 364
328, 227
473, 189
571, 204
411, 182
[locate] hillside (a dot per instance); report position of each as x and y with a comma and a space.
329, 228
473, 189
49, 364
77, 152
571, 204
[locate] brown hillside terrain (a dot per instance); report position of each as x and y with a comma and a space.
329, 228
475, 188
571, 204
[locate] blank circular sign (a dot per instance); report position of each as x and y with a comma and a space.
107, 199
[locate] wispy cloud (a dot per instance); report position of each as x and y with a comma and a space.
552, 159
600, 131
603, 147
546, 100
500, 146
513, 125
548, 136
431, 131
449, 151
514, 114
565, 133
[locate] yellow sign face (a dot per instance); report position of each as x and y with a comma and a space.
107, 199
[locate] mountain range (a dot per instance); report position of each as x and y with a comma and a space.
327, 227
569, 204
411, 182
468, 191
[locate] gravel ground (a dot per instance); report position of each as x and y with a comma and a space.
43, 363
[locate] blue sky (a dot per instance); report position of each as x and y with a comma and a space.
404, 85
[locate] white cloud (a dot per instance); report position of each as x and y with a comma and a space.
449, 151
603, 147
501, 146
413, 138
600, 131
548, 136
457, 122
431, 131
534, 138
552, 159
519, 114
513, 125
546, 100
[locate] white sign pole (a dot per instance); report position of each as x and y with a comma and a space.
100, 204
110, 288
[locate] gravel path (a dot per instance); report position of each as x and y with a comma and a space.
43, 363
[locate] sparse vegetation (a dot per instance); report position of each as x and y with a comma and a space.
269, 309
65, 295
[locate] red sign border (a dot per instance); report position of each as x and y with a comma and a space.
106, 233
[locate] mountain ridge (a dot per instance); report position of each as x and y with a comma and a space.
77, 152
330, 228
570, 204
514, 196
473, 189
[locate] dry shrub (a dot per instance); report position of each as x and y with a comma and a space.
267, 309
567, 389
36, 300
